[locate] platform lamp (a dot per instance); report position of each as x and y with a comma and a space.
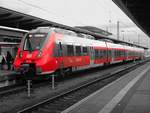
123, 34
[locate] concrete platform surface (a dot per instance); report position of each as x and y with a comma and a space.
128, 94
7, 74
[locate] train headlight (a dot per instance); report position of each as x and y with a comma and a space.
20, 54
39, 54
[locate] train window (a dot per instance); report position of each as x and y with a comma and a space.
34, 41
109, 53
105, 54
85, 51
123, 53
60, 46
116, 53
78, 50
96, 54
100, 54
70, 50
119, 53
55, 50
27, 45
58, 50
64, 50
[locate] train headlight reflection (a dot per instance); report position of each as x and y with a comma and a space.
39, 54
20, 54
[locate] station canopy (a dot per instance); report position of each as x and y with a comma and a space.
11, 18
138, 11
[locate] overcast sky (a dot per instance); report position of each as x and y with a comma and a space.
103, 14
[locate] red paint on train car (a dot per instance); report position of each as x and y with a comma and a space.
46, 62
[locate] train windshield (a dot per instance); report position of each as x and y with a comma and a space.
34, 41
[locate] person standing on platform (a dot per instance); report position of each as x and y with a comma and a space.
3, 63
9, 59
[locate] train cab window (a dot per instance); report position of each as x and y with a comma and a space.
78, 50
34, 41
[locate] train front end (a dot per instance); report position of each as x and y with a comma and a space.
34, 54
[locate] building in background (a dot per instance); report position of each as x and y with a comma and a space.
95, 30
10, 39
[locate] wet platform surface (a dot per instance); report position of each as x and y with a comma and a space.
128, 94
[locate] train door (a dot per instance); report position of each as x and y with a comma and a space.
107, 52
60, 49
91, 56
125, 53
61, 54
113, 55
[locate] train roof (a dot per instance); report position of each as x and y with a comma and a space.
104, 37
96, 35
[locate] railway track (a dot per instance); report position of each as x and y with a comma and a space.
20, 87
64, 100
11, 89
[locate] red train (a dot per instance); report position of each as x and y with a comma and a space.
47, 50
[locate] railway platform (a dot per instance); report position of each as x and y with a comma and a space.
128, 94
7, 75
